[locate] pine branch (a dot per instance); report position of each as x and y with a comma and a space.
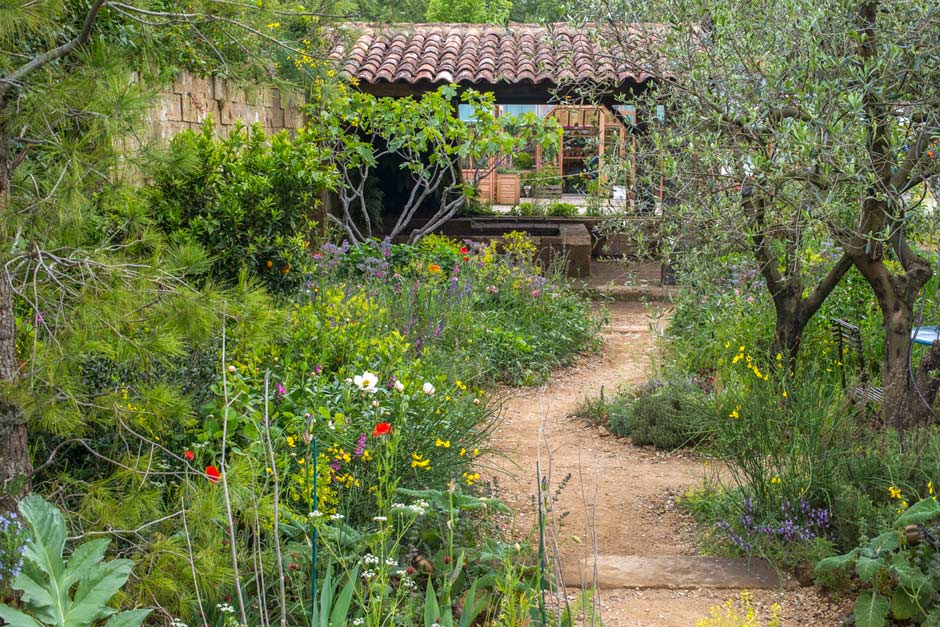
17, 76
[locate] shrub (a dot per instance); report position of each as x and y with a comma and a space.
529, 209
667, 417
522, 161
562, 209
248, 200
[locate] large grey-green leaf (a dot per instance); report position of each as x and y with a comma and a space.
82, 559
837, 562
129, 618
16, 618
887, 541
48, 534
95, 590
918, 513
867, 568
871, 610
38, 595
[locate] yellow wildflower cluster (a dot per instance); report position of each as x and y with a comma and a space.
419, 461
471, 477
751, 365
739, 613
897, 495
439, 443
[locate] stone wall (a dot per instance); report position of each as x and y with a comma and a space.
190, 99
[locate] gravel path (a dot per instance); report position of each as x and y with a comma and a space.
635, 488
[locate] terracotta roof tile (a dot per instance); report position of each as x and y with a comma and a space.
474, 53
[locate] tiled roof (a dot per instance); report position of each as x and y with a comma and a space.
484, 53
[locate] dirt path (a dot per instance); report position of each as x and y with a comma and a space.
635, 487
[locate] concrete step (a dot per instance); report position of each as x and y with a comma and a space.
672, 572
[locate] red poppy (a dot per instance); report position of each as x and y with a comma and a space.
383, 428
189, 455
464, 250
466, 258
213, 474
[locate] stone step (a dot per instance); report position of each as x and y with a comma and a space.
673, 572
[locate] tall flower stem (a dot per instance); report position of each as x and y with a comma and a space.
225, 491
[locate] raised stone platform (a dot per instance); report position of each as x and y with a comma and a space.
673, 573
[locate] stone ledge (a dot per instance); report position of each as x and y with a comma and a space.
677, 572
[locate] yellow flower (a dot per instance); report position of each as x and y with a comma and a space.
290, 441
274, 25
300, 461
471, 478
784, 394
442, 443
727, 344
930, 487
463, 452
419, 461
779, 357
268, 470
735, 413
366, 456
894, 492
775, 481
476, 452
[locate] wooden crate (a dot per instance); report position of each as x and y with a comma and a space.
507, 189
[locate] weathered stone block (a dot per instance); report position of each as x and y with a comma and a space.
201, 88
183, 83
170, 108
195, 107
274, 117
218, 88
293, 118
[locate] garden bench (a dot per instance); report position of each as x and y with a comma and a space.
849, 340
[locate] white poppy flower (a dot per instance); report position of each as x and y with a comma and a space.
366, 381
399, 386
427, 388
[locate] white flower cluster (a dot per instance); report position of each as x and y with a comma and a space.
336, 517
418, 508
315, 514
369, 560
391, 562
358, 621
225, 608
177, 623
408, 582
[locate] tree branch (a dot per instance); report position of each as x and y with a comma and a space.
7, 82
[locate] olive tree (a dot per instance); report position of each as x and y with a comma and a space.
429, 140
794, 120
